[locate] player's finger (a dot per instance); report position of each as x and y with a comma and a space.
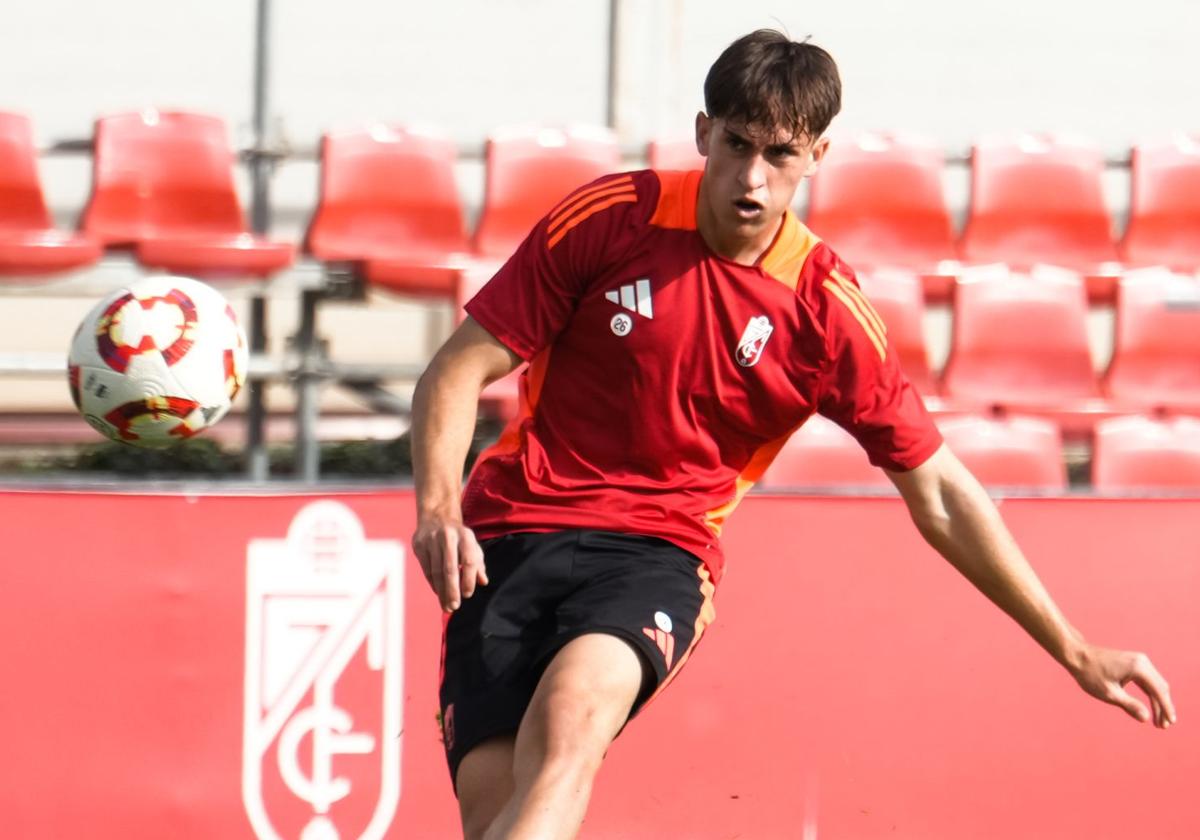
1136, 709
1151, 681
473, 569
448, 573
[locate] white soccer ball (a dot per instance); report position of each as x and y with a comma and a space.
157, 361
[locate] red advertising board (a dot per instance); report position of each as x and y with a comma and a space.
264, 666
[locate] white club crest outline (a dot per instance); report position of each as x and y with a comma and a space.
314, 600
754, 339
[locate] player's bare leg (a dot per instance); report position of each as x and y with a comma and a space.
580, 705
484, 784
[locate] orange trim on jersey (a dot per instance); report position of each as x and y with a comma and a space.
879, 341
759, 461
590, 196
678, 196
707, 615
786, 257
530, 391
611, 181
855, 292
586, 214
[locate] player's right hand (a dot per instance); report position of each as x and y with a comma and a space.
451, 559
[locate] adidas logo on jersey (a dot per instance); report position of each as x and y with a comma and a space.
633, 296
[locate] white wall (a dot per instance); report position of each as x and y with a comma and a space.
951, 69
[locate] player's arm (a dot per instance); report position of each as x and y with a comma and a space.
956, 516
445, 404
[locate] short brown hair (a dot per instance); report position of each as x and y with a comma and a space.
766, 80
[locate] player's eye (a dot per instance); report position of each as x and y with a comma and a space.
736, 143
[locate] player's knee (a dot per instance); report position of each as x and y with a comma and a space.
577, 726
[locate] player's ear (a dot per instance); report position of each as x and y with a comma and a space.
704, 124
818, 152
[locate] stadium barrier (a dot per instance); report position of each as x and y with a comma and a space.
199, 665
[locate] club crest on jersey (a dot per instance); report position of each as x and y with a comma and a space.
754, 339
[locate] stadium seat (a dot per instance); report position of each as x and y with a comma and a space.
390, 204
674, 155
1020, 342
1164, 205
877, 199
897, 297
162, 184
1138, 453
1156, 353
528, 171
1021, 452
821, 454
1038, 199
29, 242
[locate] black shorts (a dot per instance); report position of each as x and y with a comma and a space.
547, 589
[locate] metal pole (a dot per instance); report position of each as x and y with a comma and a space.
257, 466
614, 40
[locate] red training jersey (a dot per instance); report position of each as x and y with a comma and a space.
663, 378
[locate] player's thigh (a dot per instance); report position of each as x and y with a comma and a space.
485, 783
583, 698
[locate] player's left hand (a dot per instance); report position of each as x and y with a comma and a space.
1104, 673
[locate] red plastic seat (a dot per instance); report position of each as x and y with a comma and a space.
389, 201
897, 297
1164, 206
1138, 453
29, 242
162, 183
1156, 354
877, 199
1039, 199
1020, 341
529, 170
822, 454
1022, 452
679, 155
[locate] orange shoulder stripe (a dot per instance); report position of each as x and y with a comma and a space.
574, 198
855, 292
587, 213
850, 303
590, 198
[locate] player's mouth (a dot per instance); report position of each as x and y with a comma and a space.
748, 208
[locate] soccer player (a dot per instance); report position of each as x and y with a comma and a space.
678, 327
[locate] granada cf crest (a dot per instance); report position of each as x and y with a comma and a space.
323, 692
754, 339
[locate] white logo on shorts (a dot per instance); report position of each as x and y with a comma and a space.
663, 621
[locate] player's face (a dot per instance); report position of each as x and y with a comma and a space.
750, 179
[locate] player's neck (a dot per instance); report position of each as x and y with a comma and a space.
732, 244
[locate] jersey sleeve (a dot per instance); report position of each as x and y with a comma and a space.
865, 391
534, 294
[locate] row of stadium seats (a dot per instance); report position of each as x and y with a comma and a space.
1130, 454
163, 186
1020, 341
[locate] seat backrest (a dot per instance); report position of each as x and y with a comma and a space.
386, 191
1156, 353
1138, 453
529, 170
877, 199
822, 454
679, 155
1020, 339
898, 298
1038, 198
1164, 204
1008, 452
161, 173
22, 203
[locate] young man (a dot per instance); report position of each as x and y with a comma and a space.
678, 327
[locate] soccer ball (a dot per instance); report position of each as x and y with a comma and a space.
157, 361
